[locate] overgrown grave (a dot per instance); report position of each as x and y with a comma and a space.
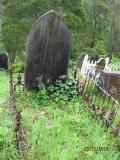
74, 109
48, 52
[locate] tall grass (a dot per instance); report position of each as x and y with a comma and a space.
55, 131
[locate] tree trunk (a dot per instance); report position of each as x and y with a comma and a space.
95, 27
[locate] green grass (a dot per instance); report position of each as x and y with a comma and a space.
62, 134
8, 150
4, 86
55, 131
116, 63
98, 96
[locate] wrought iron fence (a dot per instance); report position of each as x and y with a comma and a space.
102, 102
16, 113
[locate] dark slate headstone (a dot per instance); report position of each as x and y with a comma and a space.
80, 61
3, 61
48, 51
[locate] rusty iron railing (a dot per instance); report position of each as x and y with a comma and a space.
102, 102
16, 113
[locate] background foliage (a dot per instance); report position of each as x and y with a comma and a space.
93, 23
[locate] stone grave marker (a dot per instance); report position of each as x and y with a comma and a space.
100, 65
111, 83
48, 51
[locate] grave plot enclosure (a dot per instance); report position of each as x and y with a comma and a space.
47, 51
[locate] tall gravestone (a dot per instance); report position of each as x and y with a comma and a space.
48, 51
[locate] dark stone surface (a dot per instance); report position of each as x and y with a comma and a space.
3, 61
48, 51
80, 61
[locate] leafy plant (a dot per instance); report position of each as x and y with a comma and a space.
63, 91
58, 92
18, 67
101, 47
38, 98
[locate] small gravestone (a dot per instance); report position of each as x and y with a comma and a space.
111, 83
100, 65
80, 61
48, 51
3, 61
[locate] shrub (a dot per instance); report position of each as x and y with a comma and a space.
18, 67
89, 51
75, 46
100, 47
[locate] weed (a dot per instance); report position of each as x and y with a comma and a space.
57, 92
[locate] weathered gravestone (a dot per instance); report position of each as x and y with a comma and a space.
3, 61
111, 83
100, 65
48, 51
